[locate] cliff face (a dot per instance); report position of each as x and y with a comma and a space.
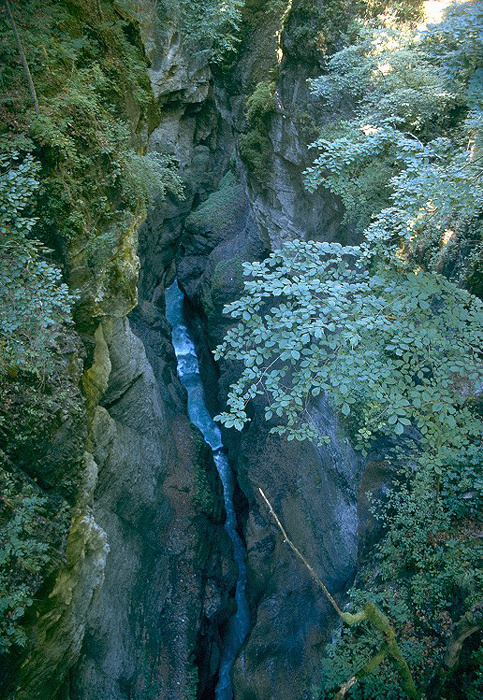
153, 630
136, 608
166, 578
259, 203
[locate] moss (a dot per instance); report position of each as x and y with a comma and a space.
231, 268
219, 210
192, 681
226, 281
255, 144
206, 498
96, 378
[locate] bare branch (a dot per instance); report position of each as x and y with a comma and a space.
294, 549
371, 613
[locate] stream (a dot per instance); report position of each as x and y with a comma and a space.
189, 374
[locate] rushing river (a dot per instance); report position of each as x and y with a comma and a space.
189, 373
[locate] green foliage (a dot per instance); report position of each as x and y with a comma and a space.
42, 435
407, 164
398, 354
72, 182
317, 29
426, 574
28, 529
261, 103
393, 344
34, 303
94, 93
255, 146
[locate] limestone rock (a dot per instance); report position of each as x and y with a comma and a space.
61, 618
143, 627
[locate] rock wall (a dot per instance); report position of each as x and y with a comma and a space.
168, 573
314, 489
191, 130
148, 581
153, 629
283, 46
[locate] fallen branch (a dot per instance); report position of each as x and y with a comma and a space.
294, 549
371, 613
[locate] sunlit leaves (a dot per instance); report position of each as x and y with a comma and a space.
389, 348
406, 162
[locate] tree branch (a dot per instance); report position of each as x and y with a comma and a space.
23, 58
371, 613
294, 549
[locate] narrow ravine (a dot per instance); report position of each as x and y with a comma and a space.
189, 373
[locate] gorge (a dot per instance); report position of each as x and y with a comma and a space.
168, 168
189, 373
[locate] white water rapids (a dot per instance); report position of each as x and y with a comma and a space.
189, 373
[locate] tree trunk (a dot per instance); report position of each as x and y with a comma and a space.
22, 57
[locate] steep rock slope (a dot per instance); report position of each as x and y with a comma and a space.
313, 489
167, 545
153, 629
117, 449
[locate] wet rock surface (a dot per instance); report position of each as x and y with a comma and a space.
168, 574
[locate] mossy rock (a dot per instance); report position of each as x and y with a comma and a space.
223, 285
219, 211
